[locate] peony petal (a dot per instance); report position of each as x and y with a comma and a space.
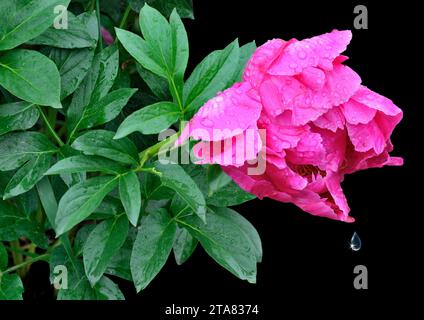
332, 120
258, 65
318, 51
356, 112
227, 115
234, 151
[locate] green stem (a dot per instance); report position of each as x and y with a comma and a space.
125, 17
49, 127
26, 263
176, 94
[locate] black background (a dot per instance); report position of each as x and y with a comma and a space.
307, 261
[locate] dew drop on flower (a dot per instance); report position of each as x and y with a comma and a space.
355, 242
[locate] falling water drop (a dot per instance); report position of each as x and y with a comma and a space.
355, 242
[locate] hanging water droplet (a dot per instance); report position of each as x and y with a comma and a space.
355, 242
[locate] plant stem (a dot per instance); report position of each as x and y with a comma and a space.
16, 256
49, 127
125, 17
26, 263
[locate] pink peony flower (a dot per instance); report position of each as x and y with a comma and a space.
320, 124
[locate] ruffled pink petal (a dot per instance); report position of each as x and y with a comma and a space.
376, 101
335, 148
341, 83
318, 51
356, 113
258, 65
332, 120
309, 151
227, 115
234, 151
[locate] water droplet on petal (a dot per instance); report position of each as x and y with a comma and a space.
355, 242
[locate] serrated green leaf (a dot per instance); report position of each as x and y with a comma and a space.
11, 287
152, 247
174, 177
27, 176
24, 20
149, 120
30, 76
83, 163
16, 148
102, 244
17, 116
101, 143
81, 200
129, 190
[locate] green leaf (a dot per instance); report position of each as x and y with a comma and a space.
105, 110
184, 7
149, 120
138, 48
96, 84
15, 224
30, 76
79, 287
25, 20
210, 76
48, 199
76, 35
174, 177
120, 263
184, 245
81, 200
229, 195
102, 244
17, 116
164, 49
11, 287
18, 147
129, 190
85, 163
246, 52
110, 206
74, 64
158, 85
4, 258
81, 238
152, 247
27, 176
226, 241
101, 143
